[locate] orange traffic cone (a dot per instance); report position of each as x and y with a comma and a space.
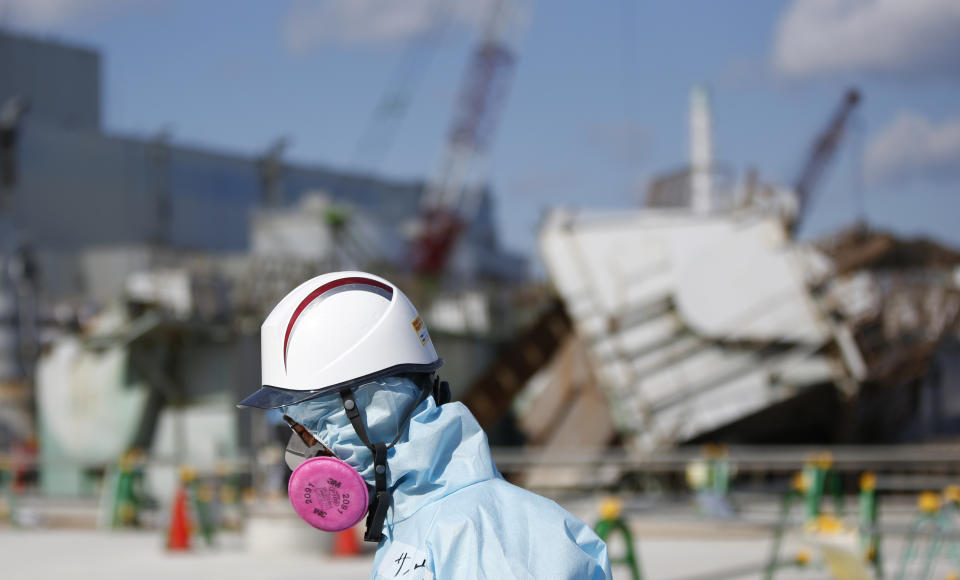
178, 537
346, 544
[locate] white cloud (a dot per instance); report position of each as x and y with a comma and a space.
917, 37
311, 23
48, 13
914, 148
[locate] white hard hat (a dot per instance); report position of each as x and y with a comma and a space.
337, 331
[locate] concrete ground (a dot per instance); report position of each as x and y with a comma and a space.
95, 555
673, 545
87, 554
90, 554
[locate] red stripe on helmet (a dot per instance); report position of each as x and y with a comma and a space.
320, 292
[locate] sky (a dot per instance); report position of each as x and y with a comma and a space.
598, 101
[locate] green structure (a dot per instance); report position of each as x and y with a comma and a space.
611, 522
789, 498
870, 540
128, 492
817, 479
938, 519
8, 502
201, 500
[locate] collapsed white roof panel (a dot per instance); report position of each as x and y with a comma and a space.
693, 321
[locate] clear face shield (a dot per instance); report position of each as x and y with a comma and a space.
302, 446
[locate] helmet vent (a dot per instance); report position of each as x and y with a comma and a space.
328, 289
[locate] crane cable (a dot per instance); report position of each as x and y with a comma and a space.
629, 58
381, 128
857, 132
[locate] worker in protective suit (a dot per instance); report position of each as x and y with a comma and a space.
350, 363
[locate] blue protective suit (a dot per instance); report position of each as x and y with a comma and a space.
452, 515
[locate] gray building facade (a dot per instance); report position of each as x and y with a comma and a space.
70, 186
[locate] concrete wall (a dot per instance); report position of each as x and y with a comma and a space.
61, 82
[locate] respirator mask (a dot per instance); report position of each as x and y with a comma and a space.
325, 491
330, 494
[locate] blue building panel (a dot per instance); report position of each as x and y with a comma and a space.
77, 189
212, 196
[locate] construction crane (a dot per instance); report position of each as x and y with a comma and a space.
820, 155
450, 200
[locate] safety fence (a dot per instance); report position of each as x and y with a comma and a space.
846, 545
898, 468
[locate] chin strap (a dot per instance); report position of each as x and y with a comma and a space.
381, 497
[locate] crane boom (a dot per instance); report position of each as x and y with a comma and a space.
820, 155
447, 202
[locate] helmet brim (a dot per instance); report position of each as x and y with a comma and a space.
268, 397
